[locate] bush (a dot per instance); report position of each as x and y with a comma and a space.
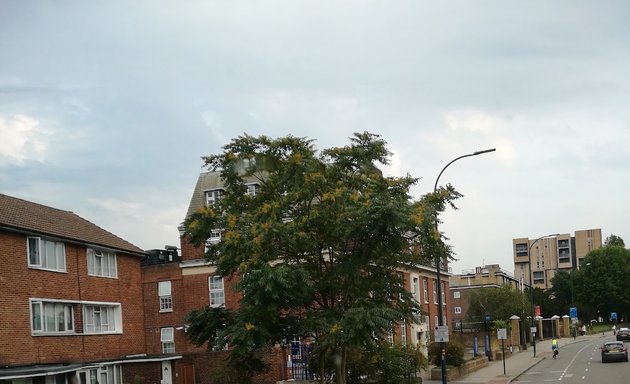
454, 353
386, 364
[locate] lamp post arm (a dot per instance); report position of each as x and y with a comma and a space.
454, 160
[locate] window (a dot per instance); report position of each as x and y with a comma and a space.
403, 332
414, 288
213, 196
46, 254
458, 309
215, 237
443, 294
426, 291
101, 263
107, 374
102, 318
52, 317
167, 337
435, 301
253, 189
456, 295
164, 293
217, 293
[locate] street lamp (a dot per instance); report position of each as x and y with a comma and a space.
531, 284
438, 260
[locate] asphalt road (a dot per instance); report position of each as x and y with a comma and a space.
577, 363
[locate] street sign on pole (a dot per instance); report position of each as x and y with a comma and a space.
573, 312
502, 333
441, 334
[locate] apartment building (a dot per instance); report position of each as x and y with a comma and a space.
541, 258
486, 277
71, 301
174, 285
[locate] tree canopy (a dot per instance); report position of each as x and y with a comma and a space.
614, 240
500, 303
602, 281
317, 248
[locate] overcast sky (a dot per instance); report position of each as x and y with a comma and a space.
106, 107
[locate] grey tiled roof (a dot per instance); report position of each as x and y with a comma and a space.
208, 181
205, 182
25, 216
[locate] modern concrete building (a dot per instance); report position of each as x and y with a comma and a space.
551, 254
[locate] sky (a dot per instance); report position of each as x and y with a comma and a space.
106, 107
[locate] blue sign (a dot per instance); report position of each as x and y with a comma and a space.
613, 315
573, 312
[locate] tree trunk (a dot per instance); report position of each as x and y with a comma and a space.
340, 366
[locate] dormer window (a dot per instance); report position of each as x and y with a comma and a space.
213, 196
253, 189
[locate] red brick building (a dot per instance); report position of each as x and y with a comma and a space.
71, 307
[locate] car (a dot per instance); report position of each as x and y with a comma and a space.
623, 334
614, 350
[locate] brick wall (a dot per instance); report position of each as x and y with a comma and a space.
18, 283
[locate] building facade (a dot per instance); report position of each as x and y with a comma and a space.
486, 277
71, 295
551, 254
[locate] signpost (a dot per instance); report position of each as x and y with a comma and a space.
502, 335
441, 333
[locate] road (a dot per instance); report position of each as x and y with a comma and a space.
577, 363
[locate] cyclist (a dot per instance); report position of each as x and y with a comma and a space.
554, 347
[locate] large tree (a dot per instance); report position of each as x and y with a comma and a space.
317, 248
602, 281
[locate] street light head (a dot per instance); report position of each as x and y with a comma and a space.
484, 151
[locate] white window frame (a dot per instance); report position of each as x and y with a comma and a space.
46, 254
458, 310
165, 296
216, 291
415, 289
102, 263
435, 298
425, 287
403, 332
102, 318
167, 338
456, 295
61, 313
252, 189
213, 195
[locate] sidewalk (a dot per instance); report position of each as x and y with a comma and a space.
515, 365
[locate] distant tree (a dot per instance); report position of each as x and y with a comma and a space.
500, 303
562, 292
317, 248
602, 281
614, 241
